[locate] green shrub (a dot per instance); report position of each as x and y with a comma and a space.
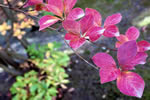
42, 85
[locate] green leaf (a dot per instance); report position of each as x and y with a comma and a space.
47, 13
43, 84
57, 45
51, 67
13, 90
52, 91
48, 97
19, 78
16, 97
40, 95
33, 89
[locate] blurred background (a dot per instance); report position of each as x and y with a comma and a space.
38, 65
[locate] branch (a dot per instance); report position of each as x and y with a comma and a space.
8, 3
18, 10
10, 71
80, 56
13, 54
10, 35
5, 11
23, 4
59, 31
24, 42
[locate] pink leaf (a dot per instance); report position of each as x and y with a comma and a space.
131, 84
132, 33
111, 31
126, 52
140, 58
75, 14
68, 5
47, 21
32, 2
96, 14
70, 36
56, 7
143, 46
121, 39
76, 43
113, 19
86, 23
72, 26
94, 33
108, 74
103, 60
118, 44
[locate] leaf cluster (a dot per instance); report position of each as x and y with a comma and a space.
42, 85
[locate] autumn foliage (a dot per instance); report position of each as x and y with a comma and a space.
82, 26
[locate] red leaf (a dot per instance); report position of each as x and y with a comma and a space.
70, 36
56, 7
94, 33
86, 23
118, 44
103, 60
140, 58
47, 21
32, 3
111, 31
75, 14
132, 33
131, 84
112, 20
76, 43
108, 74
143, 46
96, 15
72, 26
126, 52
68, 5
40, 7
121, 39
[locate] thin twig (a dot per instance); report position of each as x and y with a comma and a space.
4, 10
81, 56
59, 31
10, 71
18, 10
10, 35
21, 11
15, 3
23, 4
